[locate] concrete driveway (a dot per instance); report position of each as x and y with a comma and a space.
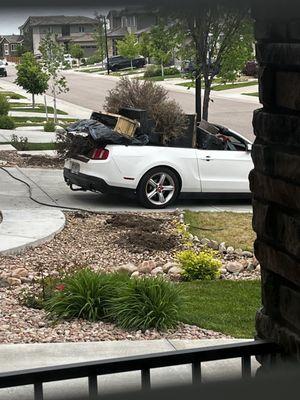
48, 186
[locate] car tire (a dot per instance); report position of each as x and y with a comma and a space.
158, 188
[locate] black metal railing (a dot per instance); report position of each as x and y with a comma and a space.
143, 363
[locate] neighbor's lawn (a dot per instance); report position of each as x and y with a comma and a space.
224, 306
160, 78
227, 86
12, 95
91, 70
256, 94
39, 108
37, 146
22, 121
235, 229
217, 85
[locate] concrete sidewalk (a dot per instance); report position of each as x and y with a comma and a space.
22, 229
70, 108
33, 136
24, 356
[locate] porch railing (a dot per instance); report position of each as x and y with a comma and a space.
143, 363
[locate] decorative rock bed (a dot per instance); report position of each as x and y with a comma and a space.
138, 243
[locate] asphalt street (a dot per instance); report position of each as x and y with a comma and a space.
89, 91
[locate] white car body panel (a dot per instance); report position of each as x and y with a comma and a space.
226, 171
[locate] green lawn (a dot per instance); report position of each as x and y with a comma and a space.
91, 70
256, 94
223, 306
36, 121
227, 86
235, 229
160, 78
189, 84
12, 95
128, 71
40, 146
39, 108
220, 86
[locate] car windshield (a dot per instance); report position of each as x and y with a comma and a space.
1, 62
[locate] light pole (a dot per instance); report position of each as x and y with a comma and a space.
106, 45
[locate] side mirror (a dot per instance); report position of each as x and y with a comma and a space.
249, 147
6, 63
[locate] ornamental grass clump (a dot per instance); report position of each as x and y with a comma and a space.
85, 294
146, 303
203, 265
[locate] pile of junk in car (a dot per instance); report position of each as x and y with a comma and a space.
133, 127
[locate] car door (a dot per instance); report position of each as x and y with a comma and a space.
224, 171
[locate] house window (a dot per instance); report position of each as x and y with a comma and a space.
6, 49
13, 47
128, 21
46, 29
81, 29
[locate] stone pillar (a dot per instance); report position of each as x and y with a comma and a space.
275, 180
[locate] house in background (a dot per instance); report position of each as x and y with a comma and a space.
67, 30
9, 46
129, 20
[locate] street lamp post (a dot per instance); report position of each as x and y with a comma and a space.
106, 45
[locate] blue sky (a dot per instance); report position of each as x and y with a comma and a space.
12, 18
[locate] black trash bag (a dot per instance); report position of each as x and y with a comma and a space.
103, 135
81, 126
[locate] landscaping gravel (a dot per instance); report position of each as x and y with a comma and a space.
102, 242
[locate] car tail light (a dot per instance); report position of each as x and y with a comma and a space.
100, 154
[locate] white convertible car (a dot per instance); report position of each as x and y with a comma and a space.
158, 174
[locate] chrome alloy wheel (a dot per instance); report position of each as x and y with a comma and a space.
160, 188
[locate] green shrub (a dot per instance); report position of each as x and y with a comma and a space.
4, 105
146, 303
199, 266
6, 122
85, 294
16, 96
20, 143
94, 59
49, 126
154, 70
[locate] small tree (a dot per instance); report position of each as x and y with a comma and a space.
214, 31
99, 36
144, 44
53, 58
163, 41
129, 47
20, 49
76, 52
31, 77
240, 51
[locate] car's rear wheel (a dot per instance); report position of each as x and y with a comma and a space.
158, 188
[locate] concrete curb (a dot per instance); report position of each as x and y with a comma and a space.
23, 229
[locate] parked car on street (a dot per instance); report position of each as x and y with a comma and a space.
118, 62
3, 71
158, 174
